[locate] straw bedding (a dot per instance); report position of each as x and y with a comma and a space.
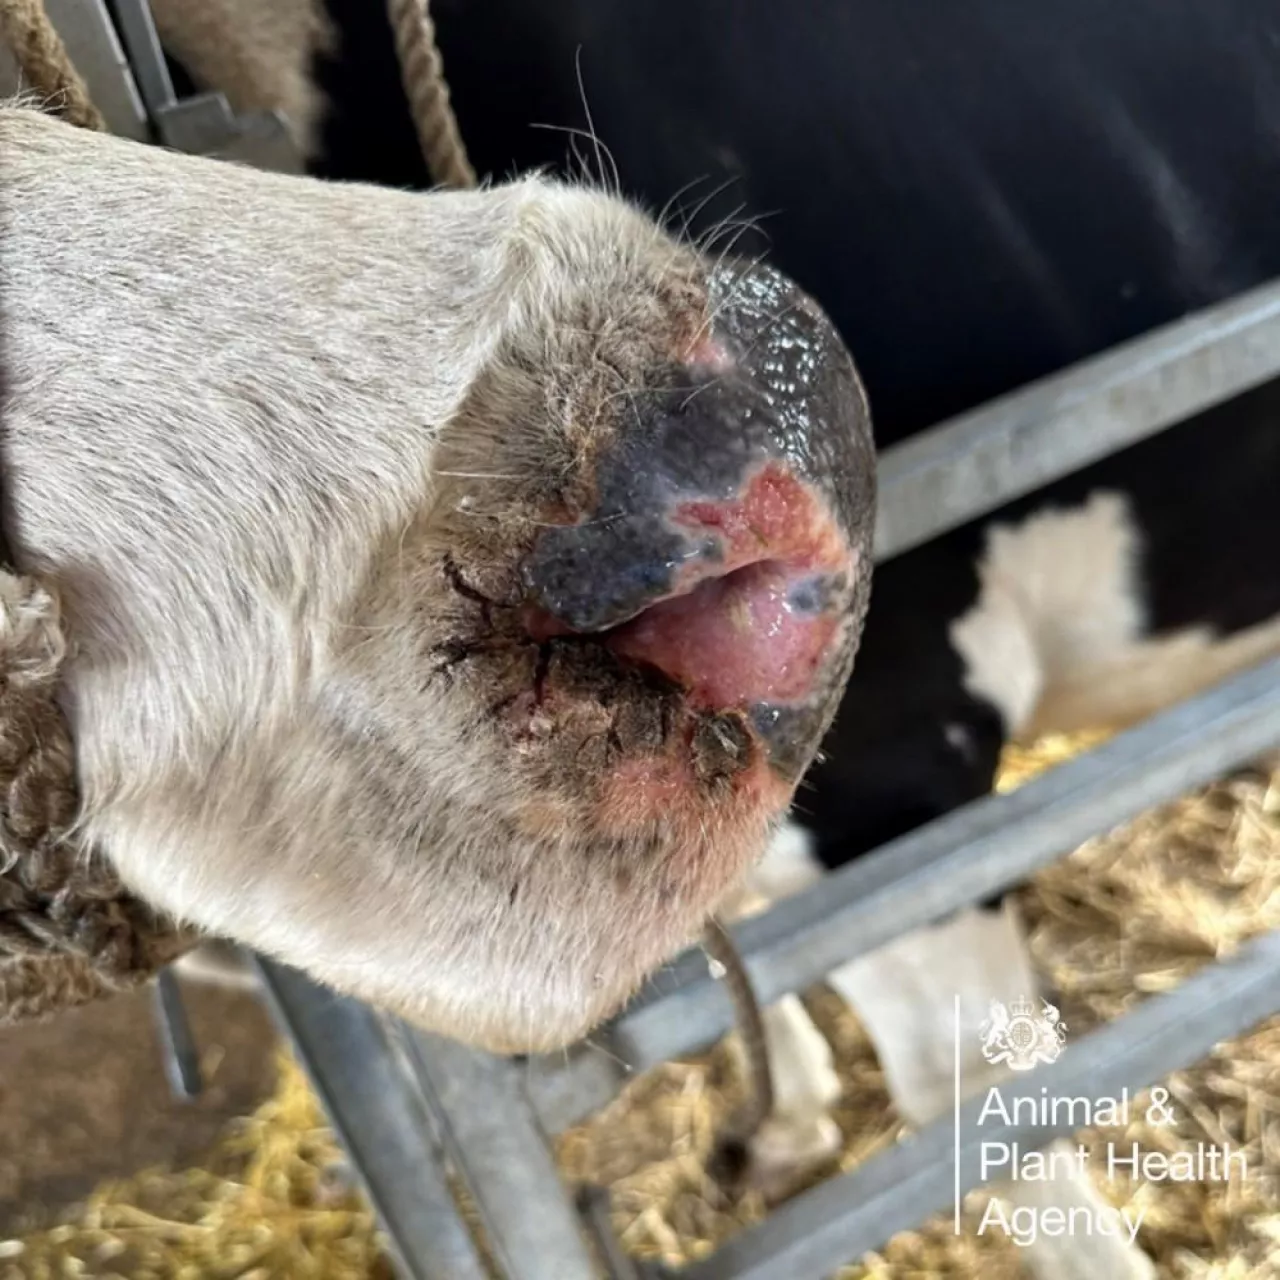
1130, 913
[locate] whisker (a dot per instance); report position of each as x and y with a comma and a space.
743, 228
591, 125
664, 213
730, 297
608, 1053
704, 240
478, 475
702, 204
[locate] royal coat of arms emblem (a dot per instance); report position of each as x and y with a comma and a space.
1020, 1036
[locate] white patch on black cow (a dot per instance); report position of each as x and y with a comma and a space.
1059, 638
1058, 592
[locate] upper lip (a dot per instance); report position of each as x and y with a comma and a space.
757, 638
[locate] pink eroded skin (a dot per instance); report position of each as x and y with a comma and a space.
732, 641
660, 788
707, 353
732, 633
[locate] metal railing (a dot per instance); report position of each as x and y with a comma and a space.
405, 1101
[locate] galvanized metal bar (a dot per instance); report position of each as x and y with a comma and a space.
959, 859
974, 463
492, 1138
381, 1119
90, 37
146, 56
840, 1220
565, 1088
177, 1043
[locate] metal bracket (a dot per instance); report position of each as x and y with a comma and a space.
130, 83
205, 123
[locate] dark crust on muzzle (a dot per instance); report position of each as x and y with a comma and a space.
591, 709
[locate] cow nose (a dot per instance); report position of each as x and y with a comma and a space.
769, 391
730, 529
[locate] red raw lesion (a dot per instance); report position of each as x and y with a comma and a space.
662, 789
734, 630
707, 352
777, 517
733, 641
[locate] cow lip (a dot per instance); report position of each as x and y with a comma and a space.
757, 634
753, 600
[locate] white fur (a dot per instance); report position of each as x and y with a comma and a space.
247, 415
1079, 1256
1058, 640
905, 996
1148, 676
799, 1132
1058, 592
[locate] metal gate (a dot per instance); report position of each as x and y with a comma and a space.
413, 1108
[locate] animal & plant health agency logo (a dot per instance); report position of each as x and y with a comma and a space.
1014, 1138
1019, 1035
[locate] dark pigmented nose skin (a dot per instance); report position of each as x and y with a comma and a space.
781, 393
